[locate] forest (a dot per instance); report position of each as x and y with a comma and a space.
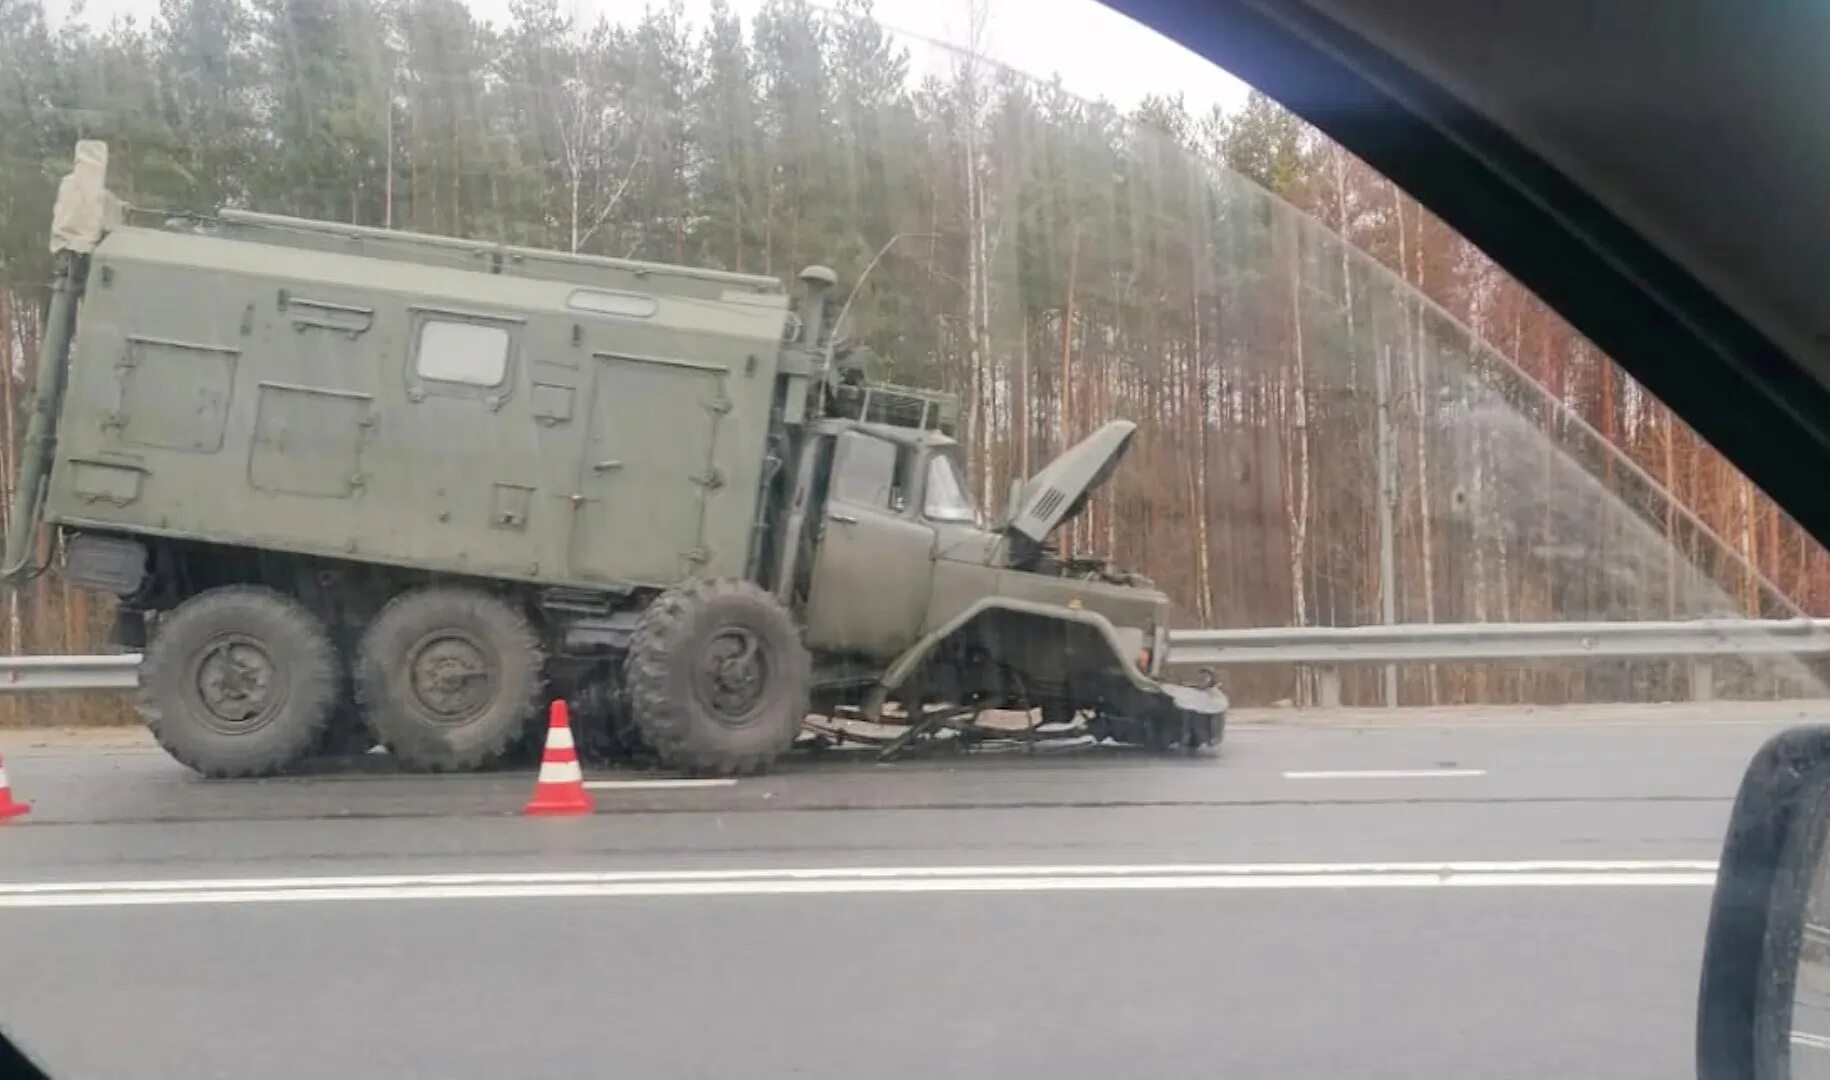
1347, 413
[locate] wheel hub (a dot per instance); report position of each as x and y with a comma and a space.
235, 680
733, 674
451, 676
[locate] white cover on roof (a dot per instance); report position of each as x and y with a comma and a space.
85, 209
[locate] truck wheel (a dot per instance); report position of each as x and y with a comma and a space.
449, 678
717, 677
239, 681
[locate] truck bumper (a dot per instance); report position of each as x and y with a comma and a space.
1201, 711
1165, 715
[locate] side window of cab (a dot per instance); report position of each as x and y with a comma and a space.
869, 473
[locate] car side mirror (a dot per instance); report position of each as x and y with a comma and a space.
1763, 1007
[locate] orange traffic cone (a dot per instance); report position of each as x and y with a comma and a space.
560, 788
8, 807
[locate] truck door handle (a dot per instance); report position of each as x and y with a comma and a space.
606, 466
843, 519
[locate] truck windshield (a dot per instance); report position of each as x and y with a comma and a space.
946, 498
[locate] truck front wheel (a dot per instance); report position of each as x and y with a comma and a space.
239, 681
450, 678
717, 677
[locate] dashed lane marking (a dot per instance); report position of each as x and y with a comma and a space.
1381, 774
643, 785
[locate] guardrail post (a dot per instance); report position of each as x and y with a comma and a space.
1328, 687
1702, 680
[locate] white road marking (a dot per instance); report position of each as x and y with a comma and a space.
1806, 1038
1379, 774
635, 785
862, 880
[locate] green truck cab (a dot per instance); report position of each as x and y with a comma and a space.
344, 479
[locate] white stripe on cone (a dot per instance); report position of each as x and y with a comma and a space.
559, 738
560, 772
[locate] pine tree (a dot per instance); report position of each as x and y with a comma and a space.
725, 155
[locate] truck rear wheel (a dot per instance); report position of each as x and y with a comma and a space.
450, 678
239, 681
717, 677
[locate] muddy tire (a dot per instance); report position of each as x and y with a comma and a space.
717, 678
239, 681
450, 678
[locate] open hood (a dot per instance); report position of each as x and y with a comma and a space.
1059, 491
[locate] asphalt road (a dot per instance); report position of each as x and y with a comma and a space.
1502, 898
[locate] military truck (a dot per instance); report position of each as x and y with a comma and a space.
349, 479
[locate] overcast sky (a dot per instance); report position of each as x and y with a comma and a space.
1096, 51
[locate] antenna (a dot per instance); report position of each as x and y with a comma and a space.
858, 284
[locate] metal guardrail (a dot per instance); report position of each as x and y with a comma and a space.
28, 674
1325, 647
1331, 647
1446, 642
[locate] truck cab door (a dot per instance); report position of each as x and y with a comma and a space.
874, 560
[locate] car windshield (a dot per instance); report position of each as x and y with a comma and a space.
946, 498
464, 635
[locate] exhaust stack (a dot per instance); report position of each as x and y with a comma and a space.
85, 211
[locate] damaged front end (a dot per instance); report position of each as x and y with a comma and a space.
1025, 671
